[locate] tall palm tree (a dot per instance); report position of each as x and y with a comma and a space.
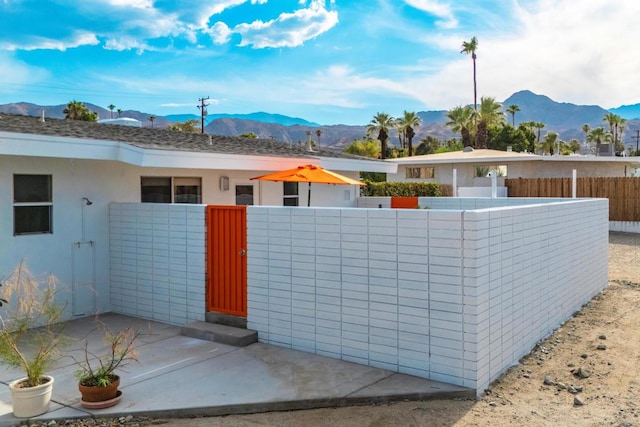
598, 135
490, 114
539, 126
470, 47
119, 111
151, 119
381, 123
406, 125
586, 128
513, 109
461, 120
318, 134
111, 107
549, 143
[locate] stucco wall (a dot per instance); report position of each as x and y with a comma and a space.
449, 295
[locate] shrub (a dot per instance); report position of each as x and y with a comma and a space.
402, 189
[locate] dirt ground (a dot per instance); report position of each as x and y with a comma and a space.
610, 394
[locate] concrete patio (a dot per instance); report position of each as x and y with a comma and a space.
180, 376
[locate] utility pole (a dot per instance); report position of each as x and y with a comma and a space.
637, 138
203, 112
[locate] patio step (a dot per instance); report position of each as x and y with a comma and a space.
223, 334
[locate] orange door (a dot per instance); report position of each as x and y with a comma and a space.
226, 259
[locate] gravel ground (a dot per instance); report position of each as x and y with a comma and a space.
584, 374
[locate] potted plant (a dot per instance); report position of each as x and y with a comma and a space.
97, 381
30, 337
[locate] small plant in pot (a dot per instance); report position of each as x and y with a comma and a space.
30, 337
97, 379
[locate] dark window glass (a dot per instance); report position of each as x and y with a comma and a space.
32, 219
244, 195
290, 188
155, 190
188, 194
290, 191
32, 188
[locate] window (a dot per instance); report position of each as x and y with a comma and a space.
170, 190
484, 171
32, 204
290, 194
244, 195
420, 173
187, 190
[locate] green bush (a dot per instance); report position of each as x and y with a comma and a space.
402, 189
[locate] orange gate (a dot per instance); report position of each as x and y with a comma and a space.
226, 259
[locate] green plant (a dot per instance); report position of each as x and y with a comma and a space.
402, 189
100, 370
30, 331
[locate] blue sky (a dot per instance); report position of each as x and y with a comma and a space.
331, 62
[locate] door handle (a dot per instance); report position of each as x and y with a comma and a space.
243, 252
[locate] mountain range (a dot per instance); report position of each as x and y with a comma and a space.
564, 118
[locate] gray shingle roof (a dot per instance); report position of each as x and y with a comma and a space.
159, 139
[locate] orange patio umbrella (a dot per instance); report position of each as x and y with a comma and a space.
309, 174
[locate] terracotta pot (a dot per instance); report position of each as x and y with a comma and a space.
98, 393
31, 401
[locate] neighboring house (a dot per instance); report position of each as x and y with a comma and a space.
58, 177
473, 166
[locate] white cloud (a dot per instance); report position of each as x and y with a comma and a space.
289, 29
434, 7
220, 33
76, 39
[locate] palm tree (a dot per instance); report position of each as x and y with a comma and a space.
549, 143
119, 111
406, 125
318, 134
490, 114
461, 120
599, 135
586, 128
513, 109
75, 110
151, 119
539, 126
78, 111
111, 107
470, 47
381, 123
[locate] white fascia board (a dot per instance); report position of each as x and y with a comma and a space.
33, 145
20, 144
357, 165
219, 161
598, 159
493, 160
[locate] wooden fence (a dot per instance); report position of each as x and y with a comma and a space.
623, 193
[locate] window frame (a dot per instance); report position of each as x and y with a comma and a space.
171, 191
26, 203
287, 197
423, 172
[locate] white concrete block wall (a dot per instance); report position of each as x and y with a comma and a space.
453, 295
157, 254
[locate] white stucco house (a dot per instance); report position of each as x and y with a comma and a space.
58, 178
468, 170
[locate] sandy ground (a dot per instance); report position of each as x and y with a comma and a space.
602, 341
610, 394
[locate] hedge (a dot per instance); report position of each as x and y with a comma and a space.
402, 189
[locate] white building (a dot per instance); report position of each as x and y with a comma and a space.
58, 177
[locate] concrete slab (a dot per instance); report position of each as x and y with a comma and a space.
238, 337
183, 376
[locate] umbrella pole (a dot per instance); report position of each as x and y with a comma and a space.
309, 196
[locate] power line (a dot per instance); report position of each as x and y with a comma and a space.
203, 112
